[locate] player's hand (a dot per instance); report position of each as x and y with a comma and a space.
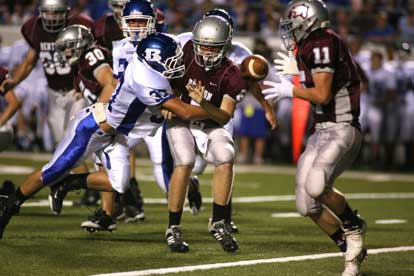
286, 65
196, 91
241, 95
271, 119
168, 115
6, 85
278, 90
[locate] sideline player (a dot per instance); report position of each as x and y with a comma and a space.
143, 90
40, 32
332, 84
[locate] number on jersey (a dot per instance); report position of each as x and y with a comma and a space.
94, 56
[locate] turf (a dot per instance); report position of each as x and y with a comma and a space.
38, 243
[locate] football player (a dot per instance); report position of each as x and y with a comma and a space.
136, 102
215, 82
331, 83
237, 53
40, 32
95, 81
9, 104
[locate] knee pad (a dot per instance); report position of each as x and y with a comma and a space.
315, 182
220, 148
184, 157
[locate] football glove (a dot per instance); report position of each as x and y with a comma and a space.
286, 65
278, 90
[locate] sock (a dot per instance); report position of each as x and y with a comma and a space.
76, 181
175, 218
20, 198
227, 212
337, 237
218, 212
348, 218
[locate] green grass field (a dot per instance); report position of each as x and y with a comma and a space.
39, 243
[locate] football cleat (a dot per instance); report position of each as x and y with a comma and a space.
56, 196
352, 267
219, 231
354, 237
7, 188
133, 214
175, 240
99, 221
231, 227
90, 198
194, 197
8, 208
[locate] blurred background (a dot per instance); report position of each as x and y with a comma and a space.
380, 35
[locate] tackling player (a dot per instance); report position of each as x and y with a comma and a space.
332, 84
143, 89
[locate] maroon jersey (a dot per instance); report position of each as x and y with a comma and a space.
85, 81
3, 73
59, 75
324, 51
225, 80
106, 31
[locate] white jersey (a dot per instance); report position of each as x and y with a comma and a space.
122, 54
133, 109
380, 81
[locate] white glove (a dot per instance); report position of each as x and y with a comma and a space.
279, 90
286, 65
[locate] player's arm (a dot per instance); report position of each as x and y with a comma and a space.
185, 111
21, 71
267, 107
13, 104
320, 93
221, 115
105, 77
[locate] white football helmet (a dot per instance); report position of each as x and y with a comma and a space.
300, 18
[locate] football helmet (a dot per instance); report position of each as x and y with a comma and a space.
300, 18
117, 6
72, 41
223, 14
211, 39
54, 14
138, 19
163, 54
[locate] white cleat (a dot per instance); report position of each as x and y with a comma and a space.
355, 241
352, 267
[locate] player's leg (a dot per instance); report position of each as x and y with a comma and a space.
334, 156
220, 152
114, 159
73, 148
182, 146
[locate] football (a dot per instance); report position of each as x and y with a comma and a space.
254, 67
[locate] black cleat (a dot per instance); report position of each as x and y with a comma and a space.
231, 227
56, 196
133, 214
89, 198
175, 240
7, 188
194, 197
8, 208
99, 221
219, 231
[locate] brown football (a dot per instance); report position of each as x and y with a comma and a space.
254, 67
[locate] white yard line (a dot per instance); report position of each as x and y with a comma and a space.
250, 199
161, 271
